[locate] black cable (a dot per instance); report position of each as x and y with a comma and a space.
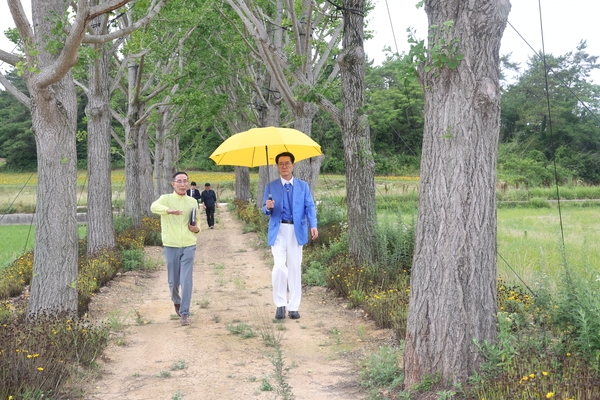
515, 272
392, 26
17, 196
563, 83
550, 125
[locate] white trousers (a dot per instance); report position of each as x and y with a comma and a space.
287, 270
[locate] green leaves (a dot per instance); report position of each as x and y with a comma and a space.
443, 53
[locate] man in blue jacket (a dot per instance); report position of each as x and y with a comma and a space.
289, 202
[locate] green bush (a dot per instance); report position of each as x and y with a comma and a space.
537, 202
36, 356
133, 259
382, 370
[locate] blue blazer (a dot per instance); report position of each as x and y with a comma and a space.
303, 209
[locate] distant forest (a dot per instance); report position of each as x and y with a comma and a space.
538, 141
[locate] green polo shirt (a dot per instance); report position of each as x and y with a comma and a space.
174, 228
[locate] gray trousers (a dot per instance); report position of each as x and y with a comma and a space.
180, 264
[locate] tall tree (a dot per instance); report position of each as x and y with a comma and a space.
453, 280
358, 150
297, 69
100, 234
49, 54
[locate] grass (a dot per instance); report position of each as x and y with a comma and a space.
530, 242
549, 344
15, 240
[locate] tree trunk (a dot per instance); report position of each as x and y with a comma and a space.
271, 115
132, 138
54, 283
242, 184
453, 282
145, 170
308, 169
360, 165
164, 153
100, 233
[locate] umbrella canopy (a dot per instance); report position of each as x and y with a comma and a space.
259, 146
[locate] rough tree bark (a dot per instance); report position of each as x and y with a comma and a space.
242, 184
453, 281
100, 233
360, 164
53, 108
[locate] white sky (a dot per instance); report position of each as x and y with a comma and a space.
565, 24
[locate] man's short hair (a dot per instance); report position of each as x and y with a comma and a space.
193, 183
207, 184
179, 173
285, 154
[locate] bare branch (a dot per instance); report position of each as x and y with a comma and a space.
117, 138
9, 58
82, 86
12, 89
121, 119
129, 29
148, 112
20, 19
110, 5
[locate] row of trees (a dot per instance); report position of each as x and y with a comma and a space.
155, 75
528, 150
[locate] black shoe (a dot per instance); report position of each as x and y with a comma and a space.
294, 315
177, 309
280, 313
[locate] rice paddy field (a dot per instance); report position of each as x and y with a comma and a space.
530, 240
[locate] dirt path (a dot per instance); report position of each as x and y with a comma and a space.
157, 358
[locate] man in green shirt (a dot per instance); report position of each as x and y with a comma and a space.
178, 230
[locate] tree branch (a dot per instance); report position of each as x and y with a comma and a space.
12, 89
125, 31
9, 58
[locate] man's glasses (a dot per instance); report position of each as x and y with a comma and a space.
180, 182
285, 164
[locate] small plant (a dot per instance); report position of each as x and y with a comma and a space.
139, 318
133, 259
179, 365
177, 396
381, 370
267, 330
239, 282
265, 385
164, 374
242, 330
283, 387
204, 303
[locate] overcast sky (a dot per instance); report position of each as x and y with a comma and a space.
565, 24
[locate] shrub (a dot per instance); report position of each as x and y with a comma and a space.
16, 276
381, 369
37, 355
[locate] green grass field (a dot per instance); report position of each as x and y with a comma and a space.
529, 239
15, 240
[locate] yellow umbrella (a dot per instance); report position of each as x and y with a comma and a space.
259, 146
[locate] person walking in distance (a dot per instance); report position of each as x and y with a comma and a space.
193, 191
208, 198
178, 230
292, 212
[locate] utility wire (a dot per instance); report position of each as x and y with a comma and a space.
550, 124
17, 196
557, 76
391, 26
